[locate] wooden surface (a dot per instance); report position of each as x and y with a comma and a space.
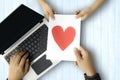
100, 34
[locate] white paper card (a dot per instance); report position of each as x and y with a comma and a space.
63, 37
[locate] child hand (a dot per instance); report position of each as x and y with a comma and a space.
84, 14
84, 61
19, 66
48, 11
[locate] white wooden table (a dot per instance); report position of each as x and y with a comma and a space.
100, 34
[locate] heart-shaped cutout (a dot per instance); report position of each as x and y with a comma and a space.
63, 38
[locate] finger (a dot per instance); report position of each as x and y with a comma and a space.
82, 49
77, 54
76, 63
19, 56
77, 12
84, 17
15, 55
27, 66
54, 12
79, 15
23, 60
82, 13
11, 60
46, 15
84, 52
52, 15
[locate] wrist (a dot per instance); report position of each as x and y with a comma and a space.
9, 78
91, 73
42, 2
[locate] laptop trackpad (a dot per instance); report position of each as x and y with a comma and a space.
41, 65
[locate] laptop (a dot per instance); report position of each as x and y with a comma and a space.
25, 29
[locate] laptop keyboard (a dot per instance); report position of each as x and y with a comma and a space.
35, 44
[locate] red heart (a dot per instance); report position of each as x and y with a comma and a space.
63, 38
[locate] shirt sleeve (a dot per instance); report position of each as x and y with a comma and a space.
95, 77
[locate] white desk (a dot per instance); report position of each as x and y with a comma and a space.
100, 35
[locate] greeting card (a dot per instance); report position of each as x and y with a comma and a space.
63, 37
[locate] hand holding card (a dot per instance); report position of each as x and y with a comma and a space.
63, 36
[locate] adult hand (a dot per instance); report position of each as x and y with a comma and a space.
84, 61
84, 14
48, 11
19, 66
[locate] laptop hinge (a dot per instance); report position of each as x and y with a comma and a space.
2, 53
41, 21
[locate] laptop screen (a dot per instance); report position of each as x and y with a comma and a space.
16, 25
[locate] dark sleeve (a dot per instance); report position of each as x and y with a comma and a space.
95, 77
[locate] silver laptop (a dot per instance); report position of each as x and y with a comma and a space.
24, 29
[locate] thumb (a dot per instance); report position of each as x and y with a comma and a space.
77, 54
26, 66
84, 52
79, 15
